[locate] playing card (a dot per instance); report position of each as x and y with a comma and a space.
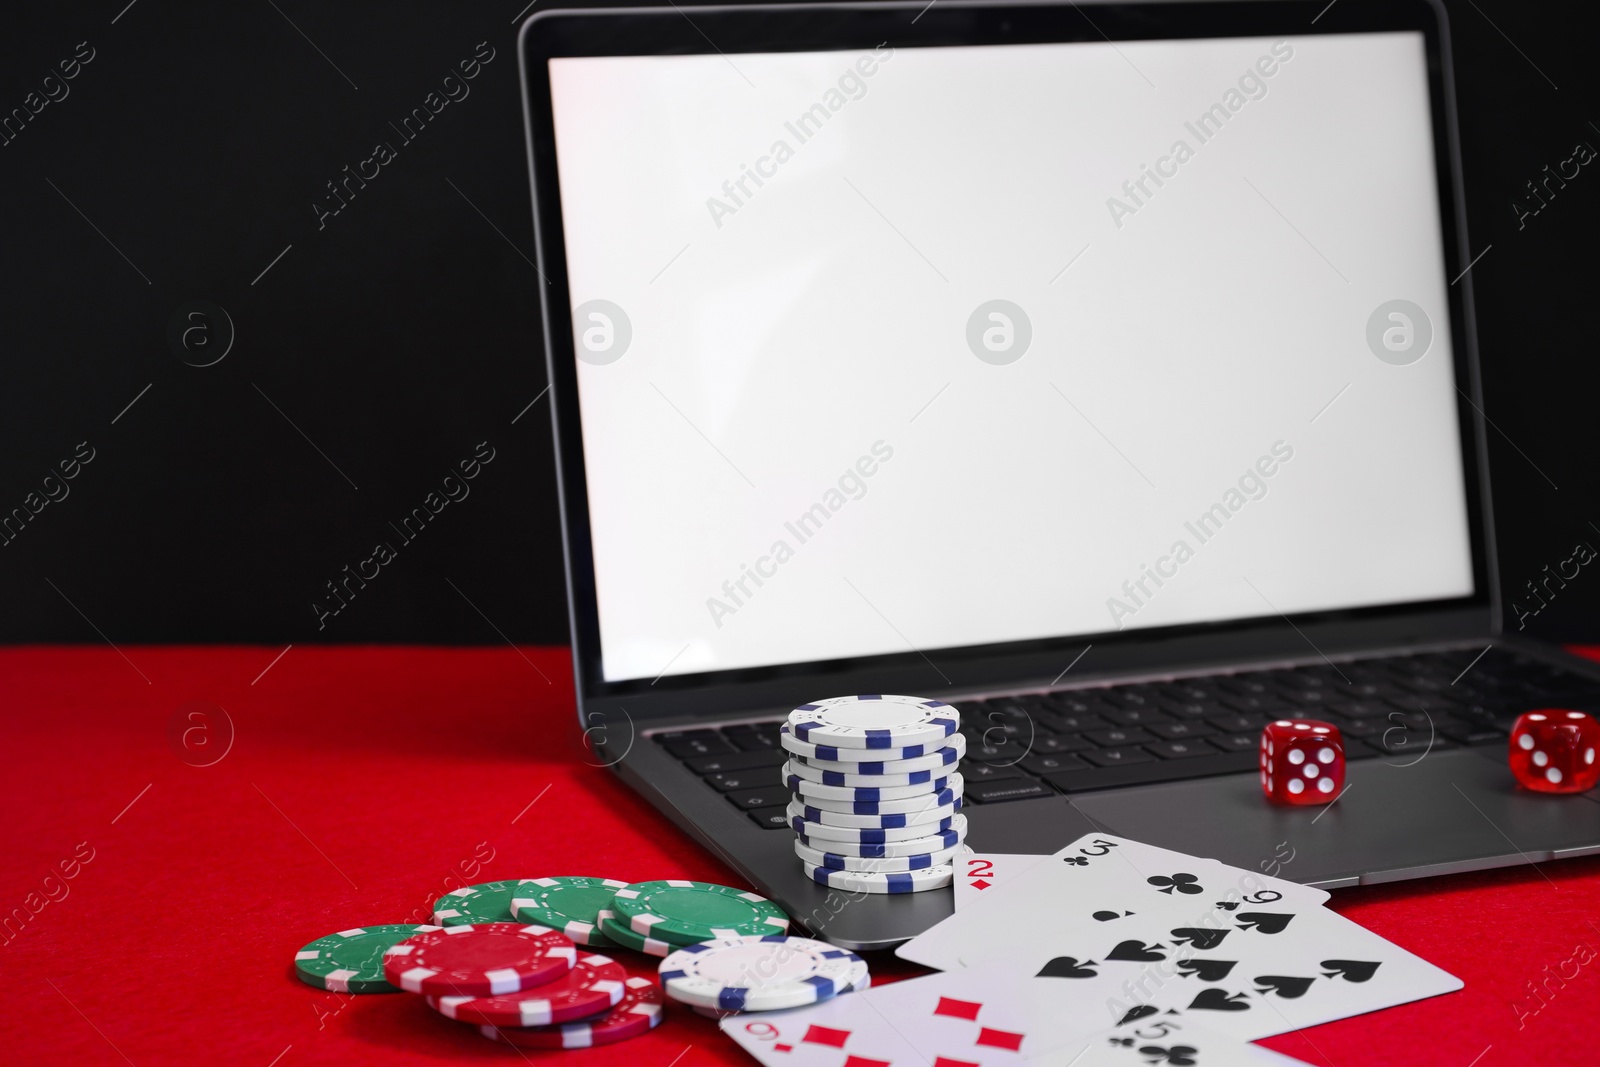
1173, 1041
1096, 879
982, 1017
1245, 973
845, 1029
980, 872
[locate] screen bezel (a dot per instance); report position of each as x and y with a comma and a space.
840, 27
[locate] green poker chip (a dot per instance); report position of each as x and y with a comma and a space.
487, 902
351, 961
606, 922
687, 913
570, 904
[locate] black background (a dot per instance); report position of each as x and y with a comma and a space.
383, 347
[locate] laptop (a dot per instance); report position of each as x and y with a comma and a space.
1104, 370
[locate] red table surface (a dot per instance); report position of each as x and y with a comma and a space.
363, 783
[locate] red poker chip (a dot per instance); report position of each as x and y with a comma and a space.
594, 984
483, 960
637, 1013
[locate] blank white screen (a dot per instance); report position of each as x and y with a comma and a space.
777, 338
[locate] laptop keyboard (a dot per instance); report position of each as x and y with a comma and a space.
1071, 741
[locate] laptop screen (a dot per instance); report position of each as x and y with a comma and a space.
930, 348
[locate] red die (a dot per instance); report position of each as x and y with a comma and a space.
1553, 751
1302, 761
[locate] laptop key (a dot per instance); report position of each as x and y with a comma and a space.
758, 778
770, 818
1009, 789
734, 761
668, 736
1181, 749
1114, 738
1179, 731
1115, 757
1051, 764
1251, 704
755, 742
1077, 723
698, 746
978, 771
1152, 770
1139, 716
1237, 742
1192, 709
1060, 743
1236, 723
769, 797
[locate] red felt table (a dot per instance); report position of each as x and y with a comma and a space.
362, 783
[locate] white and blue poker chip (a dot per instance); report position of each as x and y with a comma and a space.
800, 769
911, 846
839, 861
842, 822
875, 722
946, 756
767, 973
807, 787
884, 882
834, 754
920, 808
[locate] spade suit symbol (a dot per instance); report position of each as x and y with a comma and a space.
1068, 967
1206, 970
1266, 922
1349, 970
1286, 987
1136, 952
1219, 1000
1202, 939
1142, 1011
1107, 916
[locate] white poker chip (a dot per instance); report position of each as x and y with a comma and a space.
837, 861
897, 882
797, 768
719, 1014
911, 846
835, 754
922, 806
881, 723
836, 822
804, 785
939, 760
766, 973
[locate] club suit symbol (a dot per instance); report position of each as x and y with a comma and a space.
1068, 967
1286, 987
1177, 1055
1187, 884
1265, 922
1349, 970
1136, 952
1206, 970
1201, 938
1219, 1000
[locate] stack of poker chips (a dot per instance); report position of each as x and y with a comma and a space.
504, 957
876, 794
